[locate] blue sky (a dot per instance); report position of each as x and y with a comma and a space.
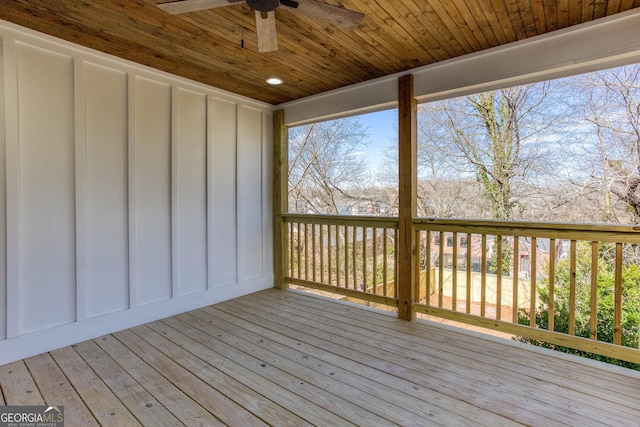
381, 128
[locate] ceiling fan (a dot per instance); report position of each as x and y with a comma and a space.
265, 16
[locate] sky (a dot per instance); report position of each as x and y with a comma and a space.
381, 128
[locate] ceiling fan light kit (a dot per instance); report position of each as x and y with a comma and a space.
263, 5
265, 16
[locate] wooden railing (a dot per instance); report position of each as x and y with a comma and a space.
552, 283
532, 280
348, 255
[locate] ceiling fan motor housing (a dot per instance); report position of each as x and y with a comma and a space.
263, 5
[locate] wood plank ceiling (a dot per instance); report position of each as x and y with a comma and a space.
218, 46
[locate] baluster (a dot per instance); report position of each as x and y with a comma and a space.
499, 277
532, 288
593, 320
516, 279
337, 256
454, 273
321, 236
313, 252
427, 263
385, 248
572, 288
374, 265
395, 262
552, 288
483, 276
364, 259
346, 257
469, 275
354, 252
617, 298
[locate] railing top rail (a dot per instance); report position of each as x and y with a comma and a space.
560, 230
569, 231
352, 220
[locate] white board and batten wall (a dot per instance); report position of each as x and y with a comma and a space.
126, 194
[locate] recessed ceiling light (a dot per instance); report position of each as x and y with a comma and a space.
274, 81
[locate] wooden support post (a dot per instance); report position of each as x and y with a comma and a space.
407, 151
280, 199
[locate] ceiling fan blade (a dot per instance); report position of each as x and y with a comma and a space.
266, 31
333, 14
184, 6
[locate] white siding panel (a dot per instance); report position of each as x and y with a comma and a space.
191, 185
249, 193
153, 190
47, 198
222, 179
107, 269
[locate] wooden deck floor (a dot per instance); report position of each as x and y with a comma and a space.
284, 358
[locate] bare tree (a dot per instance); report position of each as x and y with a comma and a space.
326, 165
610, 105
493, 137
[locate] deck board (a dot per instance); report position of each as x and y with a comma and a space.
54, 386
576, 373
18, 387
293, 359
139, 401
368, 382
505, 385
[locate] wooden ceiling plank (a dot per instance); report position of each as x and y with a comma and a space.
551, 16
473, 16
315, 38
345, 49
600, 9
358, 51
613, 7
454, 20
516, 23
360, 54
628, 4
587, 10
263, 62
411, 15
308, 55
390, 33
370, 32
357, 47
434, 29
563, 13
425, 32
338, 16
537, 11
526, 14
501, 20
185, 6
389, 13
